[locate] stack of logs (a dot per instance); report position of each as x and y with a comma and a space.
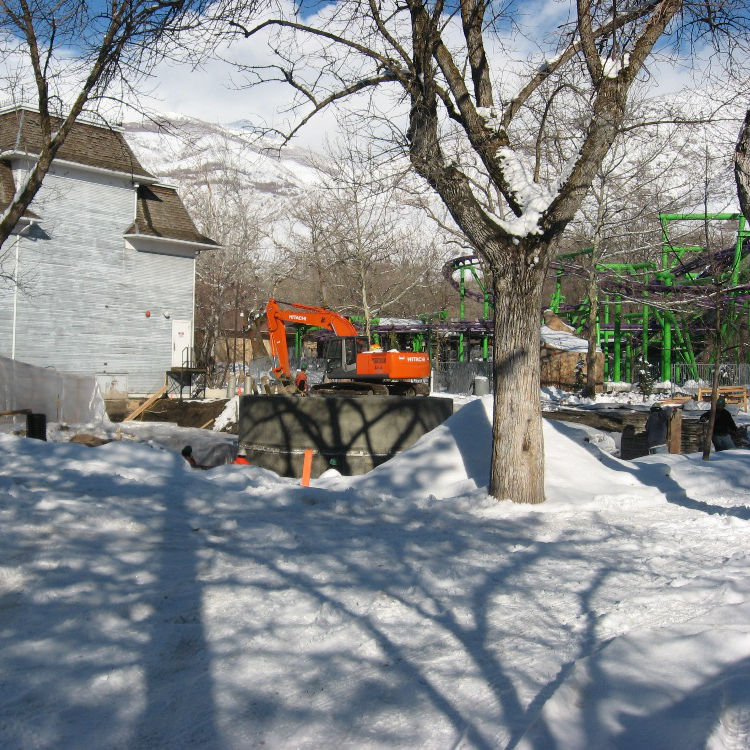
689, 438
632, 424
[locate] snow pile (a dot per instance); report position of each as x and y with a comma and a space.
450, 460
612, 66
229, 416
564, 340
145, 604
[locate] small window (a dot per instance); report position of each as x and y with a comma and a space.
333, 355
351, 351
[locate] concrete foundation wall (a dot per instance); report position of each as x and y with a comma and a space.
353, 434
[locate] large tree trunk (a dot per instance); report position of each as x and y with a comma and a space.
708, 439
593, 295
742, 166
517, 470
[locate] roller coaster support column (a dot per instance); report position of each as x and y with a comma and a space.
461, 313
557, 296
684, 341
604, 341
666, 349
742, 235
644, 334
666, 338
666, 329
628, 359
617, 375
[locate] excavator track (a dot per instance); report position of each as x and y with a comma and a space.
366, 388
407, 388
349, 388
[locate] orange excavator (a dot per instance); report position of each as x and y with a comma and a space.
351, 367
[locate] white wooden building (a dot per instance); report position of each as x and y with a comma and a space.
103, 263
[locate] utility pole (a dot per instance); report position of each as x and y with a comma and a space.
244, 317
236, 325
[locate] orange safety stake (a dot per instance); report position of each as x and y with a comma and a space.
307, 467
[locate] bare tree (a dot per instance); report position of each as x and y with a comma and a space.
235, 280
643, 175
304, 249
73, 54
470, 143
357, 241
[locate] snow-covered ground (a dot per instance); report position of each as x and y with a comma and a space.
147, 605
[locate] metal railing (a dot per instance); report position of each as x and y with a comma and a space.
187, 357
729, 374
458, 377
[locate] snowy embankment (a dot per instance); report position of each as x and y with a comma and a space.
143, 604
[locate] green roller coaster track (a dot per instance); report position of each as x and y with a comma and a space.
650, 330
620, 334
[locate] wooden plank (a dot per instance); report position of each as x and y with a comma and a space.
736, 395
726, 390
203, 426
677, 400
12, 412
674, 439
149, 402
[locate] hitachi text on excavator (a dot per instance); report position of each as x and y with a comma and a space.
351, 367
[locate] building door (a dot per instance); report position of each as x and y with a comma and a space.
182, 343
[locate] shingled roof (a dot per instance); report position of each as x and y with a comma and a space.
7, 186
86, 144
160, 213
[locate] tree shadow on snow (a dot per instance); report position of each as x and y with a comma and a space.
334, 622
658, 475
716, 713
108, 638
417, 589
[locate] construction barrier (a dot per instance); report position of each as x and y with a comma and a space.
352, 434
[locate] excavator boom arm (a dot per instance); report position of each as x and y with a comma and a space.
305, 315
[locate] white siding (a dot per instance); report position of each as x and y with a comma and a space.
86, 292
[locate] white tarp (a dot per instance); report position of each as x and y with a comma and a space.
62, 397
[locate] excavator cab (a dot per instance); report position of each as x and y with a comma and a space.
341, 356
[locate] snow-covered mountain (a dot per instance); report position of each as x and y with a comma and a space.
186, 151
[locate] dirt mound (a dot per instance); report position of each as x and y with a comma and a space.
182, 413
